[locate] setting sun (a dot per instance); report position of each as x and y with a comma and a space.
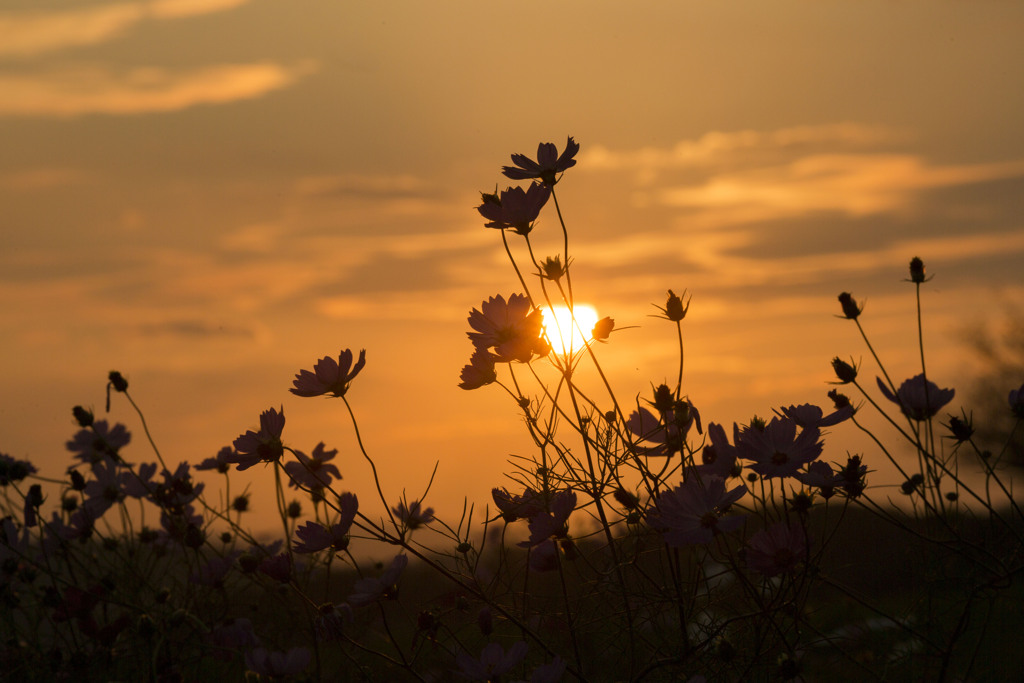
564, 335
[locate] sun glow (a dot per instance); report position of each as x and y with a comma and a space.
565, 335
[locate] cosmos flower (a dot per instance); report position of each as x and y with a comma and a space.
510, 328
819, 474
411, 516
98, 443
778, 549
479, 371
369, 590
548, 163
809, 416
719, 456
515, 507
776, 450
329, 376
692, 513
554, 524
515, 209
493, 662
918, 398
313, 471
262, 446
221, 462
314, 537
14, 470
668, 433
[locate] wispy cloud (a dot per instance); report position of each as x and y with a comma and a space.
854, 184
94, 90
27, 34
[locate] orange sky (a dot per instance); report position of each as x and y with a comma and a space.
208, 195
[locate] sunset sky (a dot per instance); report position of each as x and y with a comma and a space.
209, 195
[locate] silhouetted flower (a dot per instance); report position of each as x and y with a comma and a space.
277, 664
514, 507
493, 662
719, 456
917, 271
366, 591
329, 376
691, 513
810, 416
14, 470
918, 398
777, 450
778, 549
221, 462
846, 372
851, 309
554, 524
262, 446
278, 567
314, 537
548, 163
99, 442
819, 474
412, 517
668, 433
313, 471
602, 329
516, 209
675, 309
510, 328
479, 371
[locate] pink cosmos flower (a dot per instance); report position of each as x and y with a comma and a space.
262, 446
515, 209
719, 456
918, 398
819, 474
668, 433
366, 591
314, 537
778, 549
777, 450
548, 163
692, 513
554, 524
313, 471
479, 372
493, 662
412, 517
810, 416
515, 507
329, 376
277, 664
99, 442
510, 328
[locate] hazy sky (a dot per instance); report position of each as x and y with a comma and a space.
208, 195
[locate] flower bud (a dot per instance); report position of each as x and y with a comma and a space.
674, 309
626, 499
917, 270
117, 381
851, 309
602, 329
664, 399
82, 416
844, 371
961, 430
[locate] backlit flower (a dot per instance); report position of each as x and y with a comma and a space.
669, 433
369, 590
313, 471
810, 416
918, 398
777, 450
99, 442
692, 513
778, 549
515, 507
479, 371
329, 376
719, 457
554, 524
14, 470
516, 209
262, 446
548, 163
510, 328
412, 516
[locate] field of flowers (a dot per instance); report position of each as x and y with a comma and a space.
642, 541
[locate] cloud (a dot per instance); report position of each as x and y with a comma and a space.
27, 34
73, 92
854, 184
42, 178
717, 147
